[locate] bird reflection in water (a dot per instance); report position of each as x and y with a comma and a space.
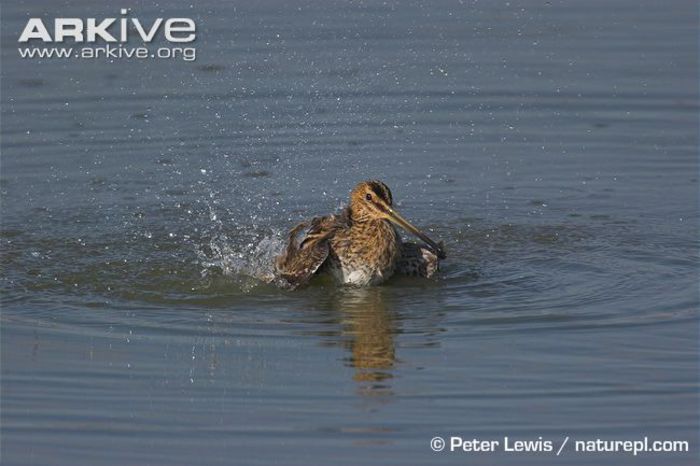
370, 327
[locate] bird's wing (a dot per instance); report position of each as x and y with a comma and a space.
307, 248
417, 260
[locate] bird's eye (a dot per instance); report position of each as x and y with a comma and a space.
368, 196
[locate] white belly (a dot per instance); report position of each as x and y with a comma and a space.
363, 276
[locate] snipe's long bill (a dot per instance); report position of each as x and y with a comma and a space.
360, 245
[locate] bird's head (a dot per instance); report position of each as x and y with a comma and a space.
372, 200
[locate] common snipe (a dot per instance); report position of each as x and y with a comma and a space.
360, 245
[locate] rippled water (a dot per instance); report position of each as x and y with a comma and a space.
551, 146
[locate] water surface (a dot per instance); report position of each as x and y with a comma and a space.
551, 145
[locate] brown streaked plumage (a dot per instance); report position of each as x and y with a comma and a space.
360, 245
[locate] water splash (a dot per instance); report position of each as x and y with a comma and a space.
249, 263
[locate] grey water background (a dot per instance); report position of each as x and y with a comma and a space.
553, 147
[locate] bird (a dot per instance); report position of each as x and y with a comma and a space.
359, 246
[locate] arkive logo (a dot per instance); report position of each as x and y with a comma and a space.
113, 33
89, 30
